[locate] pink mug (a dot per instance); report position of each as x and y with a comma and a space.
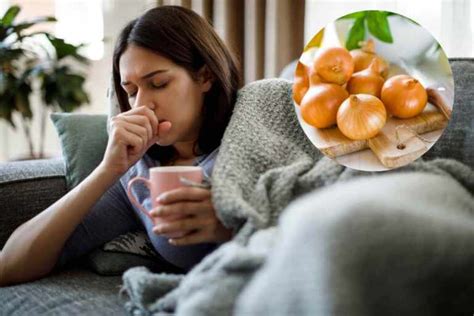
164, 179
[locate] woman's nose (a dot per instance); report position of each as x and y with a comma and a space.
139, 99
142, 99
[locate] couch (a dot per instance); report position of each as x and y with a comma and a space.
28, 187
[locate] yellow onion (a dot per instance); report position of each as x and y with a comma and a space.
319, 105
367, 81
300, 82
334, 65
361, 116
364, 56
314, 79
404, 96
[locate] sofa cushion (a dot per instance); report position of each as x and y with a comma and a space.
27, 188
83, 140
74, 291
457, 140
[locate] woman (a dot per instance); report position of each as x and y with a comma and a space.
176, 85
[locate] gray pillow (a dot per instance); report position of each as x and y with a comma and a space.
457, 140
83, 139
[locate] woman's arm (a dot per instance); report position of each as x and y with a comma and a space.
33, 249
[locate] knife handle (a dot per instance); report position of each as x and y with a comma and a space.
442, 98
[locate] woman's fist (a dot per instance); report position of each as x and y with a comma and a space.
131, 134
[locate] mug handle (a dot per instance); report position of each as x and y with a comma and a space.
132, 197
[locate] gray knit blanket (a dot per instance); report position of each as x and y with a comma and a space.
313, 237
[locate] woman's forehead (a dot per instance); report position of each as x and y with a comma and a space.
137, 62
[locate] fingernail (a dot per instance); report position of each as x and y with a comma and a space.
158, 210
161, 198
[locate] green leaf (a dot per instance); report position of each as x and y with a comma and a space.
49, 88
6, 108
63, 89
7, 54
42, 19
355, 15
3, 83
378, 26
10, 15
22, 100
20, 27
80, 96
62, 48
356, 34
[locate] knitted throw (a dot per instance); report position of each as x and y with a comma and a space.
266, 162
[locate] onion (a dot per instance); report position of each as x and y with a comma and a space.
368, 81
319, 105
364, 56
334, 65
314, 79
300, 82
404, 96
361, 116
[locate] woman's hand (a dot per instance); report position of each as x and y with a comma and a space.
131, 134
197, 221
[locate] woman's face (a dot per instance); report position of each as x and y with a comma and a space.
157, 82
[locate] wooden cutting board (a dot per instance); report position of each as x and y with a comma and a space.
391, 151
397, 143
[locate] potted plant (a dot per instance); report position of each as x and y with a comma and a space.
37, 62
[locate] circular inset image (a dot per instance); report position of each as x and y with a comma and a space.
373, 90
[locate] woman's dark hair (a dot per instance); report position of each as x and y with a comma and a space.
187, 39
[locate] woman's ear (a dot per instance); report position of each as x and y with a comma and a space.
206, 78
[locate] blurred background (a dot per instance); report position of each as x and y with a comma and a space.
266, 35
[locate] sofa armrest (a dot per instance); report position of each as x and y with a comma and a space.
26, 189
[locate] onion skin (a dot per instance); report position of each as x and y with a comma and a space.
314, 79
368, 81
361, 116
364, 56
404, 96
334, 65
320, 104
300, 82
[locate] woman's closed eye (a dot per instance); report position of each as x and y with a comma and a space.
152, 85
159, 85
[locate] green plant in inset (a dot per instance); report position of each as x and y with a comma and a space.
375, 22
37, 61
